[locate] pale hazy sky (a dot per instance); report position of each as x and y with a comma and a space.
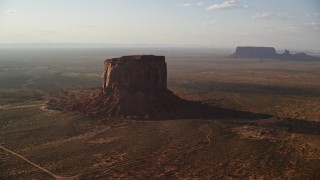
223, 23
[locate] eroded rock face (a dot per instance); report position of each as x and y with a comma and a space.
135, 73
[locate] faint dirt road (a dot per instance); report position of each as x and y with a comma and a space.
37, 166
208, 132
16, 107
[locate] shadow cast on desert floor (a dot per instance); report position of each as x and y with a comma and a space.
167, 106
201, 111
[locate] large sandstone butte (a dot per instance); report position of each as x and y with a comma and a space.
134, 87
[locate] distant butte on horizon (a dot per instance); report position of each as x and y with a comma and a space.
270, 53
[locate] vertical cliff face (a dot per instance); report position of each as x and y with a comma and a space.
135, 73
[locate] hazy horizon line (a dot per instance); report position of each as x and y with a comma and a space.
137, 45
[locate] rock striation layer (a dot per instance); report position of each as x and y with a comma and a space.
270, 53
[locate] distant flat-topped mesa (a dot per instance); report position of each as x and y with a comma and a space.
255, 52
135, 73
269, 53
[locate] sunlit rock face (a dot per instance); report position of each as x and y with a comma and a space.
135, 73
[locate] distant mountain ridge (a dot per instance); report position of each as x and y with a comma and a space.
270, 53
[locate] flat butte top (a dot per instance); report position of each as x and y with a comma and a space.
137, 59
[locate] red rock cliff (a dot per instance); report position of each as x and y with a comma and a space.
135, 73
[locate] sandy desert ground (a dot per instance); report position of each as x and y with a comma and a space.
40, 143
